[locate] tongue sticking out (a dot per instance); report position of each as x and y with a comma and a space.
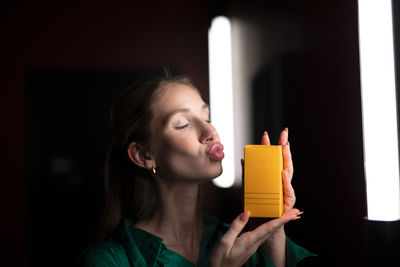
216, 152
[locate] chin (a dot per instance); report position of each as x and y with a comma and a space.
210, 173
217, 172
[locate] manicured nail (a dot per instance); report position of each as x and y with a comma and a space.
244, 216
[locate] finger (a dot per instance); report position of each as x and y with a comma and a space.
265, 139
264, 231
283, 137
234, 230
242, 163
287, 186
291, 214
287, 159
287, 156
288, 191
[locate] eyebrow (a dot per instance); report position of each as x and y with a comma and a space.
184, 110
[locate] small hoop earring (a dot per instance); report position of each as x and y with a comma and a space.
154, 171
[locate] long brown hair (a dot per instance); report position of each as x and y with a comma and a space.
130, 191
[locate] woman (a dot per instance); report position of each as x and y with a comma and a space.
163, 148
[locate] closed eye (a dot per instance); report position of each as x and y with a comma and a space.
181, 127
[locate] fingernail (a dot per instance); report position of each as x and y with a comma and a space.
244, 216
265, 133
286, 129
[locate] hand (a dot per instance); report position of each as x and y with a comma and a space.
232, 250
289, 197
271, 233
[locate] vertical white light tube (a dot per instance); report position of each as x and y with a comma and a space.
378, 90
221, 93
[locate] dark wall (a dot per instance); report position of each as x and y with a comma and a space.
316, 84
81, 37
320, 83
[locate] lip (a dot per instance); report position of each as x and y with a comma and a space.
216, 151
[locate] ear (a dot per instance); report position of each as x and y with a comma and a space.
140, 157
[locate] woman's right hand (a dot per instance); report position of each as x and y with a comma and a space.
232, 250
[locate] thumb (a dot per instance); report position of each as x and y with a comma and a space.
234, 230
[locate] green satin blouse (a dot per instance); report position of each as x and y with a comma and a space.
132, 246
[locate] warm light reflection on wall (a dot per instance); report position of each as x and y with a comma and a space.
221, 94
378, 92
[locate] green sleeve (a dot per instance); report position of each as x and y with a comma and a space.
259, 259
105, 254
294, 254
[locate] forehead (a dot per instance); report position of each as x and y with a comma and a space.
177, 96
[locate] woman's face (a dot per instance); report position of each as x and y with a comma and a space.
182, 136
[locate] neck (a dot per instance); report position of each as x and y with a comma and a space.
178, 217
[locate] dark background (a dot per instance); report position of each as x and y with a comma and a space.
65, 61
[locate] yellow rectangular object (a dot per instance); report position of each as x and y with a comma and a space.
263, 195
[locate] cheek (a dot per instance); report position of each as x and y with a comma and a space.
184, 158
184, 145
179, 150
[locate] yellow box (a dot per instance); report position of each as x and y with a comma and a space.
262, 188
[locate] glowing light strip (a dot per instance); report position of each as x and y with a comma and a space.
378, 92
221, 93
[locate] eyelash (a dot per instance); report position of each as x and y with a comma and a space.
181, 127
186, 125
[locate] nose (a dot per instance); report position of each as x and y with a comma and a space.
208, 133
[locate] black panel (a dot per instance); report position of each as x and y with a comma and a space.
382, 243
68, 136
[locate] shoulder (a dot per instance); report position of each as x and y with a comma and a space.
105, 254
